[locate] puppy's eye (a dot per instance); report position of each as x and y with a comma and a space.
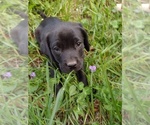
78, 43
56, 48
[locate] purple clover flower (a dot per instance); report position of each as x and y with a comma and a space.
7, 75
32, 75
92, 68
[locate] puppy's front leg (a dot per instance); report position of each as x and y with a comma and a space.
82, 77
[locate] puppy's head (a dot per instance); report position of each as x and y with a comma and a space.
65, 46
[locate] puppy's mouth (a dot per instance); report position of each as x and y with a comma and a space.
66, 69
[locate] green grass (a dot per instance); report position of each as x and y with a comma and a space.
119, 49
136, 68
72, 107
13, 91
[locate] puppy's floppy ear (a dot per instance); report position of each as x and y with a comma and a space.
43, 43
38, 35
86, 42
44, 46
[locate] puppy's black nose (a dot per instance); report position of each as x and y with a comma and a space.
72, 63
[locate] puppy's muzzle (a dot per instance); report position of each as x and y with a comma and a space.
72, 64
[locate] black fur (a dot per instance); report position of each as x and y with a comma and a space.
63, 43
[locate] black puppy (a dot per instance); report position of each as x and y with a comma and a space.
63, 43
19, 34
